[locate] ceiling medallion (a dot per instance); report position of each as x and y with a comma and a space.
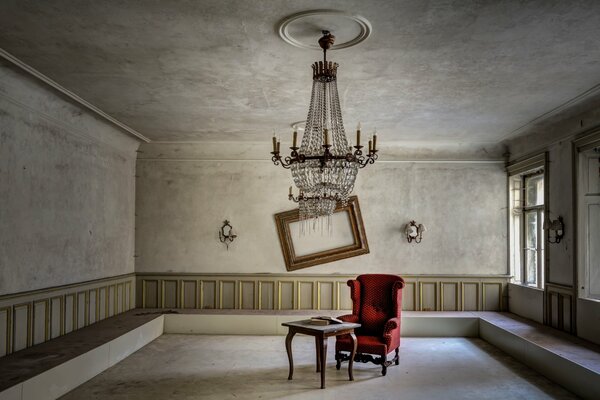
300, 29
324, 167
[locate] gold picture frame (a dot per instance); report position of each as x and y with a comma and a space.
294, 262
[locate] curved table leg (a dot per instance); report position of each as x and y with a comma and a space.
323, 360
288, 348
351, 362
318, 349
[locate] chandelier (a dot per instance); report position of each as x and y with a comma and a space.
324, 167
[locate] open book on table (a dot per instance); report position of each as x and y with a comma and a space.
325, 320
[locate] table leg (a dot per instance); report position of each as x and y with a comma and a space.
318, 350
323, 360
351, 362
288, 348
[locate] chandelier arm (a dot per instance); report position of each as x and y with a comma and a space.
285, 163
366, 161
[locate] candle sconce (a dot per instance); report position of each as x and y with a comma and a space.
414, 232
555, 228
226, 234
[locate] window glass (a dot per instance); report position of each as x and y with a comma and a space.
593, 175
593, 245
588, 210
534, 190
531, 253
515, 245
541, 261
516, 193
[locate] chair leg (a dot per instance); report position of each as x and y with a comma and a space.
397, 357
384, 364
338, 360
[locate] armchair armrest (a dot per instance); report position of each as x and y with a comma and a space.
391, 333
390, 325
349, 318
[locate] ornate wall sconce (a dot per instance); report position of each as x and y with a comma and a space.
226, 234
414, 232
556, 229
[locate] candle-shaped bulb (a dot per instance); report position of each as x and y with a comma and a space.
375, 141
358, 127
357, 137
294, 138
274, 144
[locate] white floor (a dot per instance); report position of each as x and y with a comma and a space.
256, 367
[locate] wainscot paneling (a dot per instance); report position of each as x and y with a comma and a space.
492, 296
34, 317
559, 306
189, 294
266, 295
449, 296
313, 292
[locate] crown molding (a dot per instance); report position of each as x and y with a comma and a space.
37, 74
562, 107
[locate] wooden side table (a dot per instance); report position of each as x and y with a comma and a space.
321, 333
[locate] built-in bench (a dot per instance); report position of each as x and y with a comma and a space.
53, 368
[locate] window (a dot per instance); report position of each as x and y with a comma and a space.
526, 227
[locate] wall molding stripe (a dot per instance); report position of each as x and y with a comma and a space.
330, 276
67, 286
408, 160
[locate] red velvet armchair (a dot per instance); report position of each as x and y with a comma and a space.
376, 305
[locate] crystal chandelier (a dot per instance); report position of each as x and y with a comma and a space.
324, 167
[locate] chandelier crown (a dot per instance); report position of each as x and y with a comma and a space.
324, 71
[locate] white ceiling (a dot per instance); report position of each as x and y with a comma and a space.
467, 71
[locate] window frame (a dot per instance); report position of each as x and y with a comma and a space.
539, 210
517, 171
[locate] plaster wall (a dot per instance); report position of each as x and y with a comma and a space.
181, 203
560, 190
66, 189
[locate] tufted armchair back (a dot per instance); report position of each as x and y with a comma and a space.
375, 299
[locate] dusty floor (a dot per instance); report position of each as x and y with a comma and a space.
256, 367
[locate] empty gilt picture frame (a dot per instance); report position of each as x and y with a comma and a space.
347, 238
